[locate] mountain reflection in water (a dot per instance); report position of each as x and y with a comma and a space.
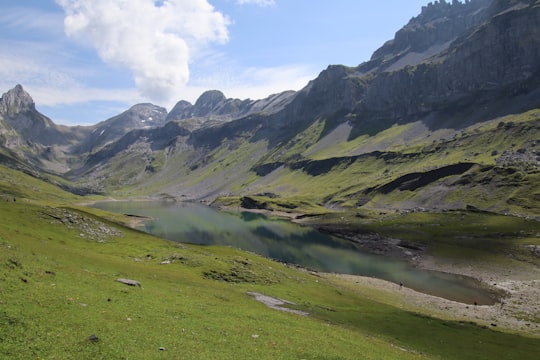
284, 241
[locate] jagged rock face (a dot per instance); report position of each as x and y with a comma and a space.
432, 31
17, 108
16, 101
144, 115
334, 92
207, 102
488, 66
452, 57
156, 138
213, 105
137, 117
182, 110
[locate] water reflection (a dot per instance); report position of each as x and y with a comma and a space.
282, 240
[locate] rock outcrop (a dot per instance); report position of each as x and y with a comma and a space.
15, 101
213, 106
140, 116
18, 110
438, 25
486, 64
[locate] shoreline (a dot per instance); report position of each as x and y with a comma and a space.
510, 315
519, 310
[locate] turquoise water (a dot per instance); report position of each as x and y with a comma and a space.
284, 241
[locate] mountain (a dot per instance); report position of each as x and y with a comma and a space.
481, 55
31, 136
140, 116
212, 106
445, 115
18, 111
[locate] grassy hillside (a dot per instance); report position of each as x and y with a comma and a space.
492, 165
59, 265
409, 167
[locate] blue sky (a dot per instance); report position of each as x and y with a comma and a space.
84, 61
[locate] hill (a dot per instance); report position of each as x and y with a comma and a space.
66, 272
441, 117
429, 151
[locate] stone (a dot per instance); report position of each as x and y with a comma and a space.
129, 282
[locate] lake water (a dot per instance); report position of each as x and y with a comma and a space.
282, 240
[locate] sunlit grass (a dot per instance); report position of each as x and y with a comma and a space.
59, 289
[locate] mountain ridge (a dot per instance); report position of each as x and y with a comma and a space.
451, 69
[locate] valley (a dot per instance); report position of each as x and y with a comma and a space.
427, 154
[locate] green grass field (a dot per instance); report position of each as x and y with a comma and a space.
58, 269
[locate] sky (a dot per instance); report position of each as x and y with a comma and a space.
84, 61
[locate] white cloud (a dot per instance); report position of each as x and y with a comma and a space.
257, 2
155, 40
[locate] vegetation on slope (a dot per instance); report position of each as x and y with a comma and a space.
60, 298
503, 175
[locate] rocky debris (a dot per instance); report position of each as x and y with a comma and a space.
276, 303
173, 258
129, 282
534, 249
376, 244
93, 338
248, 202
523, 159
89, 228
517, 312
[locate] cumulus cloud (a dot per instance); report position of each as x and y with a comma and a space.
155, 40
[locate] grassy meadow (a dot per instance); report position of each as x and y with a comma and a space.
59, 298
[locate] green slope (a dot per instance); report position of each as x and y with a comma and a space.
403, 167
329, 170
58, 270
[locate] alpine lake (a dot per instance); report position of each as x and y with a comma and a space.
284, 241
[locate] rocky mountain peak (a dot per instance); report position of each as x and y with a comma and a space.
139, 116
18, 110
207, 102
147, 115
16, 101
181, 110
431, 32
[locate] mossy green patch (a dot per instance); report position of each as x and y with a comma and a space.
60, 298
